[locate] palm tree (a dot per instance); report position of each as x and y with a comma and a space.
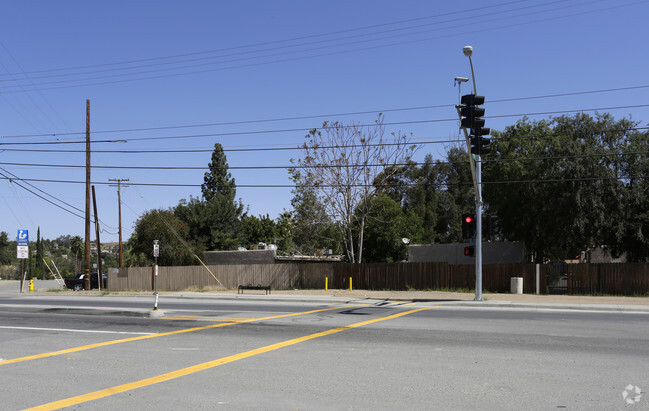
76, 249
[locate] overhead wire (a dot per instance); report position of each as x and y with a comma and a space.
265, 43
275, 131
15, 177
329, 54
182, 240
231, 54
292, 186
331, 115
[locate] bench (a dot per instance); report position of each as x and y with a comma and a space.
253, 287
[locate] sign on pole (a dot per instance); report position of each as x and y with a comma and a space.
22, 243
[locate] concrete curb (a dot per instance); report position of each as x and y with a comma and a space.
329, 299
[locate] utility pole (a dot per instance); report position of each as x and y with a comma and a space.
119, 211
86, 277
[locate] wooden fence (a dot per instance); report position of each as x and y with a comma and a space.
611, 278
396, 276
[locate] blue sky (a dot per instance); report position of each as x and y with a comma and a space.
154, 67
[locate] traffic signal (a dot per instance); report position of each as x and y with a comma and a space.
471, 118
468, 225
492, 227
469, 251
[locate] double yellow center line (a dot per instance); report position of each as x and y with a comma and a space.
210, 364
186, 330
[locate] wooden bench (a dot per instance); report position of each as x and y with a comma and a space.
253, 287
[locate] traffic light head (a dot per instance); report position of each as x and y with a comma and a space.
469, 251
471, 118
468, 225
480, 145
472, 100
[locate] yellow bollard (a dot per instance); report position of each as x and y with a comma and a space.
326, 283
31, 285
350, 283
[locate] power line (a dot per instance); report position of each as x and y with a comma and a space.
306, 117
269, 42
302, 166
317, 55
16, 181
463, 19
14, 178
352, 185
275, 131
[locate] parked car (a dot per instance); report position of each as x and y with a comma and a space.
76, 283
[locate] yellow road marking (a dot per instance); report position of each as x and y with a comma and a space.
187, 330
198, 318
207, 365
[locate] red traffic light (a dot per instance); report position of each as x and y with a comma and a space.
468, 219
469, 251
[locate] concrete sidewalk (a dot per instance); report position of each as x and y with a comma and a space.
521, 301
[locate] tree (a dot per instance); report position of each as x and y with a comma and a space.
342, 162
312, 228
171, 233
77, 250
218, 180
285, 225
6, 251
386, 226
214, 221
571, 185
258, 230
39, 265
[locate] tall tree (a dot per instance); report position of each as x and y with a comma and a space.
6, 251
218, 181
39, 265
215, 220
76, 249
344, 163
567, 189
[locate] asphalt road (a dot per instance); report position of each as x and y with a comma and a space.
279, 355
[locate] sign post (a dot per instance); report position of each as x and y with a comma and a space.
22, 252
156, 253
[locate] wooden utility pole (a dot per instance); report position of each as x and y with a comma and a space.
86, 277
100, 274
119, 211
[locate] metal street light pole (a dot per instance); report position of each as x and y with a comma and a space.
468, 51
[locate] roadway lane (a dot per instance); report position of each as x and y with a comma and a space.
436, 358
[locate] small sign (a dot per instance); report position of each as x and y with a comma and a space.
155, 270
22, 239
22, 252
156, 250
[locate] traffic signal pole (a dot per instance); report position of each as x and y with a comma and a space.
478, 231
475, 144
